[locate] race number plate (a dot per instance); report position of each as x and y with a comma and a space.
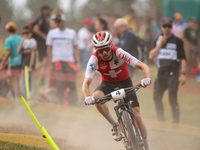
119, 94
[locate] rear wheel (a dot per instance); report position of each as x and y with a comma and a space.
129, 134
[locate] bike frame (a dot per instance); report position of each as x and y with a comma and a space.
118, 96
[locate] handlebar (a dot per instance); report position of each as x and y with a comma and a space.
118, 94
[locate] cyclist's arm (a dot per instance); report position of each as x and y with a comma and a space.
85, 87
144, 68
126, 57
134, 62
92, 66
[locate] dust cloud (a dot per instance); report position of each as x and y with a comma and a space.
83, 128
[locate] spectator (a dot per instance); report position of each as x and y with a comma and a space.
95, 17
27, 48
112, 19
170, 54
40, 29
131, 19
100, 25
112, 30
53, 25
178, 25
147, 33
62, 47
127, 39
11, 45
84, 37
190, 38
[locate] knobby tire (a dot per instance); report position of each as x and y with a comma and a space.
129, 128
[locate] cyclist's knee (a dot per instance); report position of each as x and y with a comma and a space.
98, 94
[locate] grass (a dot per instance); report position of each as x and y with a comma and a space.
16, 146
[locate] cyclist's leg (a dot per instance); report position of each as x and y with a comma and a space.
103, 109
142, 127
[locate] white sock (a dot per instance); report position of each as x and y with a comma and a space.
146, 143
111, 120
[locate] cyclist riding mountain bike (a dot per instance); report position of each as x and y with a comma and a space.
112, 62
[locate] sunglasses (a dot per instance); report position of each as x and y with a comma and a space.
167, 26
107, 49
58, 21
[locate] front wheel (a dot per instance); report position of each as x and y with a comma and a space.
129, 134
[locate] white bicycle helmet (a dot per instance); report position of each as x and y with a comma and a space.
101, 39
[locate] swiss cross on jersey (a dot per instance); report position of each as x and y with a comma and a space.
116, 69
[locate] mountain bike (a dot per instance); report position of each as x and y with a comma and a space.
131, 136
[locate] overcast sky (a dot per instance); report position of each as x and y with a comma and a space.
20, 6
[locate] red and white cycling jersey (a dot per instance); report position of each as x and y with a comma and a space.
114, 70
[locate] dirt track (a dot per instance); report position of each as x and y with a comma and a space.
82, 128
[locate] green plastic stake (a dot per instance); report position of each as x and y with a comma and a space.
27, 82
42, 129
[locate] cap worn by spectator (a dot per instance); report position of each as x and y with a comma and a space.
166, 21
87, 21
45, 7
10, 26
193, 19
60, 17
177, 16
53, 17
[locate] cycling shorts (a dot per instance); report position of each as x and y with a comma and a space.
108, 87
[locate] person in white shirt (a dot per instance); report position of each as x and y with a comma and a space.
84, 37
64, 57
